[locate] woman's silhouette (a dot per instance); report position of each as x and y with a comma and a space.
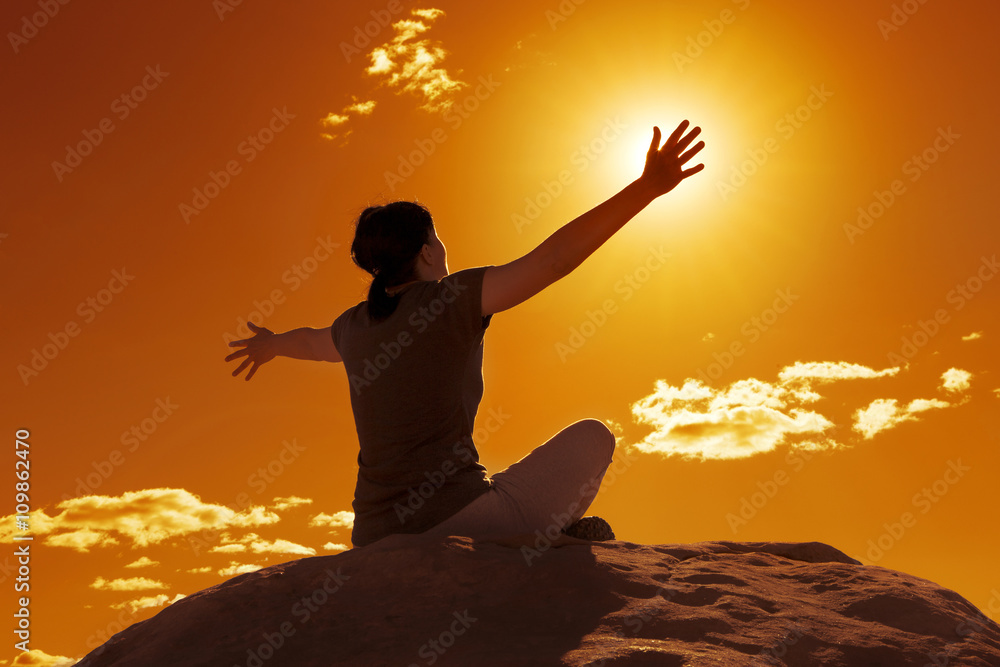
413, 355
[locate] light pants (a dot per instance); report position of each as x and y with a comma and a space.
548, 489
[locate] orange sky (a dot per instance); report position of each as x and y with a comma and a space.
847, 364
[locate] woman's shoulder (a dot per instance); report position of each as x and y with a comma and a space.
464, 277
352, 312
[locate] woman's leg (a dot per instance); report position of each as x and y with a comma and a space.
549, 488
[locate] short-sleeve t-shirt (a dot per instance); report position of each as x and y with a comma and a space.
416, 381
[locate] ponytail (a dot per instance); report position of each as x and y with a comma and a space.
380, 304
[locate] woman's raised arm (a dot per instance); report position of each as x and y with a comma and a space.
565, 249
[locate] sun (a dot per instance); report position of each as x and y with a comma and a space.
626, 157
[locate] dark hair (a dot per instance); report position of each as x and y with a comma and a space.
387, 240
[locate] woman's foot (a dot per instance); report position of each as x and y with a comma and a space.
592, 528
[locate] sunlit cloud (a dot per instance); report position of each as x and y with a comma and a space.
142, 518
828, 371
361, 108
429, 14
253, 543
228, 548
238, 568
281, 547
291, 502
143, 562
975, 335
885, 413
342, 519
147, 602
333, 120
253, 516
200, 570
133, 584
755, 393
956, 380
336, 124
751, 416
330, 546
81, 540
39, 658
410, 63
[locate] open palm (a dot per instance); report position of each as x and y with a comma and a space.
257, 350
665, 164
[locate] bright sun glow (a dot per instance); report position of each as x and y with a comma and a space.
627, 155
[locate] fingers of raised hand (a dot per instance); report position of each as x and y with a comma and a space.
237, 354
691, 153
239, 369
676, 134
259, 330
686, 141
693, 170
654, 145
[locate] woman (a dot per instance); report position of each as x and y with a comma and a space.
413, 355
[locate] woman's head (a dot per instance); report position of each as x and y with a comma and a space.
396, 243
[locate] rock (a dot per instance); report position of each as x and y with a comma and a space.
411, 600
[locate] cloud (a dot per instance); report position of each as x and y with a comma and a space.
335, 124
133, 584
429, 14
885, 413
147, 602
144, 517
330, 546
143, 562
828, 371
411, 64
333, 120
253, 542
955, 380
975, 335
751, 416
200, 570
81, 540
340, 519
228, 549
281, 547
361, 108
253, 516
291, 502
38, 658
238, 568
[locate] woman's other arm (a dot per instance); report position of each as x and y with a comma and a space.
302, 343
557, 256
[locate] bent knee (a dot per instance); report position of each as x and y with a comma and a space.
598, 433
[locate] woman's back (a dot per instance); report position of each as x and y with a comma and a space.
416, 383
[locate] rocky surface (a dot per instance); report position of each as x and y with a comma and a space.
411, 600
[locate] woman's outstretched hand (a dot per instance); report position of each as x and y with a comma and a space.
665, 164
257, 350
